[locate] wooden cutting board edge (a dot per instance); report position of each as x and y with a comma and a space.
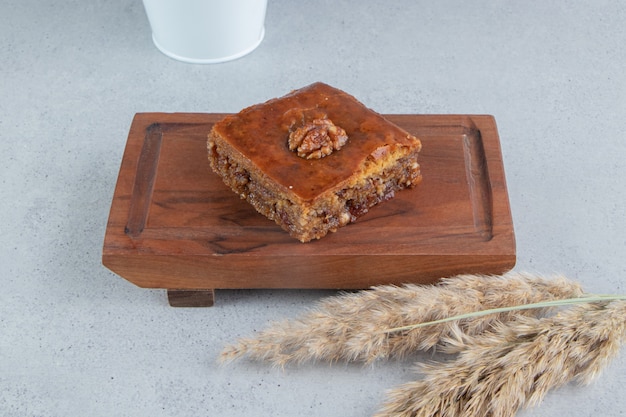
186, 275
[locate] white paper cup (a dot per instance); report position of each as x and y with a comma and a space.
206, 31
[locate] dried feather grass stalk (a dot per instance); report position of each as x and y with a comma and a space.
352, 326
514, 364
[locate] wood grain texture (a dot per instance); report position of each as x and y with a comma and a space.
174, 224
191, 298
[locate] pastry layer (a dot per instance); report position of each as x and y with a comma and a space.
310, 197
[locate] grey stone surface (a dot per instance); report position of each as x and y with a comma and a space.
77, 340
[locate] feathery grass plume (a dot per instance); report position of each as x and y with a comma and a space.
352, 326
514, 364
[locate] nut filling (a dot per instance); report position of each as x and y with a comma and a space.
317, 139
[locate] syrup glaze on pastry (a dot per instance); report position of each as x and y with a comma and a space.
313, 160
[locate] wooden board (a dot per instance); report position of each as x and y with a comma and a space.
174, 224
